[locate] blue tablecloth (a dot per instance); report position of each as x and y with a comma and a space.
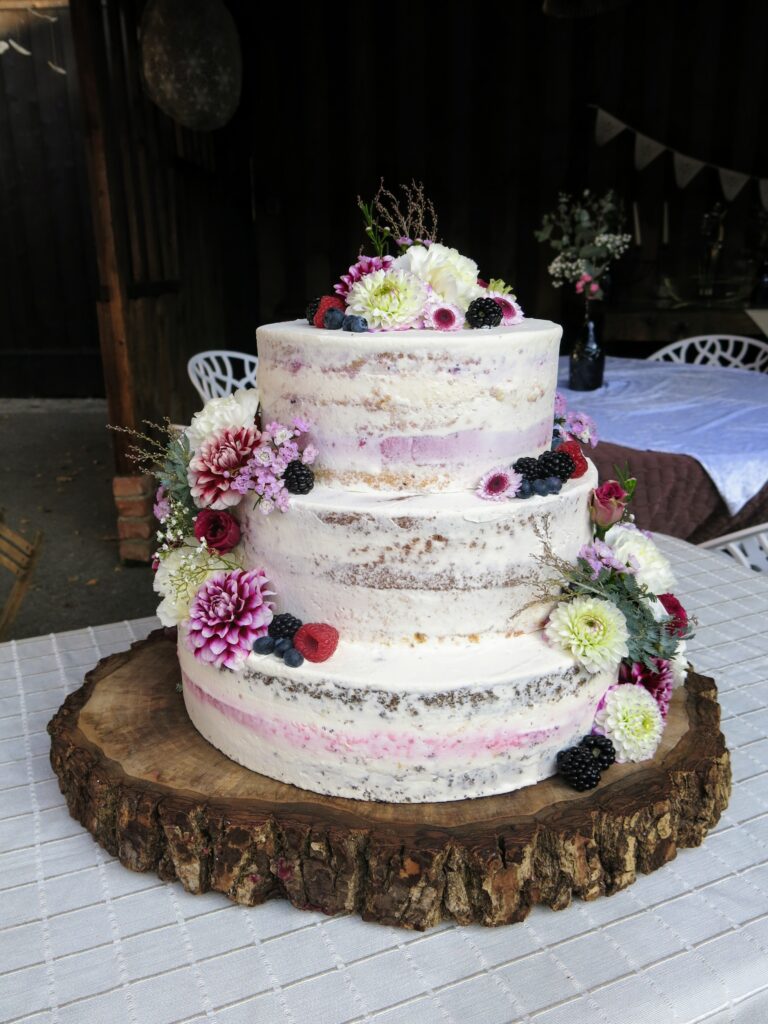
717, 415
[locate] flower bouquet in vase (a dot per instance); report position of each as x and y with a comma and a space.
586, 234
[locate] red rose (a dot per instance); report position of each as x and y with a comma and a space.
672, 607
219, 530
607, 504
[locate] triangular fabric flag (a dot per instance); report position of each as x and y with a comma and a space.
686, 169
646, 150
607, 127
763, 186
732, 182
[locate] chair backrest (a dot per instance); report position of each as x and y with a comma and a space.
719, 349
219, 372
749, 547
18, 555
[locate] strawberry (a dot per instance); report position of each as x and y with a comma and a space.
316, 641
326, 302
580, 463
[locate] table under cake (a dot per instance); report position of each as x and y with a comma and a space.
82, 939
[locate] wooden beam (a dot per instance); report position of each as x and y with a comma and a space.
35, 5
106, 200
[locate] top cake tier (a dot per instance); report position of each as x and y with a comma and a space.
412, 410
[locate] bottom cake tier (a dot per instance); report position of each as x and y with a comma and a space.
400, 724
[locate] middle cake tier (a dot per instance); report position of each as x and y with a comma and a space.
407, 568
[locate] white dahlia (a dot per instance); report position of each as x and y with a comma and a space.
592, 630
390, 300
631, 718
235, 410
635, 549
451, 276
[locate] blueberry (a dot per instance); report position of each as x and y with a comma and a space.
540, 487
333, 319
554, 483
356, 324
293, 658
264, 645
282, 645
525, 490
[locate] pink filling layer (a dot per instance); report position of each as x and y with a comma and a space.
379, 743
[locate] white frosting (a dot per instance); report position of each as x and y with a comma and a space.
427, 410
388, 567
434, 722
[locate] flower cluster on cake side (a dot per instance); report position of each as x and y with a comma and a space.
425, 285
224, 457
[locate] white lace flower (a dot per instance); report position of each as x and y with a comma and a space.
630, 717
592, 630
235, 410
451, 276
654, 571
390, 300
179, 575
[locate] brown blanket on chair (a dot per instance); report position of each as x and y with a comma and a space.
675, 494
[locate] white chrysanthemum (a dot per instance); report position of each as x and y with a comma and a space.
179, 575
654, 571
390, 300
679, 664
592, 630
630, 717
452, 277
236, 410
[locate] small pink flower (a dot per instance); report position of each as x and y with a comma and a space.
511, 313
607, 504
229, 612
499, 484
162, 506
364, 266
659, 681
442, 316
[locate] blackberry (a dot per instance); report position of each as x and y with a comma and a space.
558, 464
529, 469
312, 307
483, 313
284, 625
601, 749
579, 769
298, 478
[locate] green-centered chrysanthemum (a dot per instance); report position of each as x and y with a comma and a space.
592, 630
390, 300
630, 717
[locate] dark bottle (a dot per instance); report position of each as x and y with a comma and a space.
587, 360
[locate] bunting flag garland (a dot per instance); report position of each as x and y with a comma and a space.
608, 127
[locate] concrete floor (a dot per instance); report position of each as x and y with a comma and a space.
56, 476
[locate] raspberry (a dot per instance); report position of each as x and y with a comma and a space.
579, 462
326, 302
316, 641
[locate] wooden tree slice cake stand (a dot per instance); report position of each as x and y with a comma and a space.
156, 795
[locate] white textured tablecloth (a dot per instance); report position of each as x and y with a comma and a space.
85, 941
716, 414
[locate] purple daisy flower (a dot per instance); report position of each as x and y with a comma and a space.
499, 484
443, 316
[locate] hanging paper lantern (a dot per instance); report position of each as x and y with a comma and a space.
190, 61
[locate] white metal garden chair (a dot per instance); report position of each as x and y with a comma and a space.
717, 349
219, 372
749, 547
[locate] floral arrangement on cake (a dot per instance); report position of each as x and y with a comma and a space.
425, 285
223, 458
586, 233
616, 611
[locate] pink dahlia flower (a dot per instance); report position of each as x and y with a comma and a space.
364, 266
498, 484
511, 313
443, 316
217, 463
229, 612
658, 682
